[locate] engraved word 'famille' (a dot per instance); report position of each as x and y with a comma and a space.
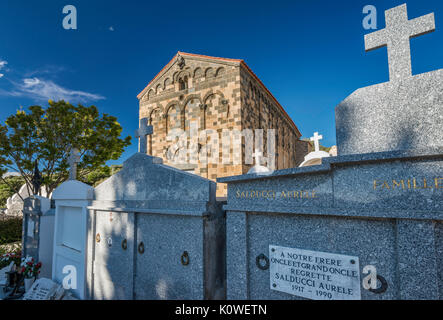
408, 184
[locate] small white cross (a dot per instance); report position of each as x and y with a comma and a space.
73, 159
258, 155
399, 30
316, 138
142, 133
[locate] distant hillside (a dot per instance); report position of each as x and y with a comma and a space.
11, 174
322, 148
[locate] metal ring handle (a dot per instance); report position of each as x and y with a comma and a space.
383, 287
97, 238
141, 248
260, 258
124, 244
185, 258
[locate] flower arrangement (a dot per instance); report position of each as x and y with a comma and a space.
7, 258
29, 268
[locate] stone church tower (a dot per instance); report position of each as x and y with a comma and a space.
196, 92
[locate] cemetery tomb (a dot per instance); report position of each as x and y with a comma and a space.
373, 211
71, 216
155, 232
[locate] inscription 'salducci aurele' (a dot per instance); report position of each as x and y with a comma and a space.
272, 194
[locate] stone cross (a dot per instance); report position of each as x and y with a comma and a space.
73, 159
399, 30
142, 133
316, 138
258, 156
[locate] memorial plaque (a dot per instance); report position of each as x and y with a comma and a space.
44, 289
314, 275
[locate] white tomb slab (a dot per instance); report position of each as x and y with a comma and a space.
44, 289
71, 199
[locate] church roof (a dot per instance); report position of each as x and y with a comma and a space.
240, 61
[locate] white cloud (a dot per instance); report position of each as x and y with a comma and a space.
40, 89
3, 63
111, 28
46, 70
31, 82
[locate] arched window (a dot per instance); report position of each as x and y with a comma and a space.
183, 83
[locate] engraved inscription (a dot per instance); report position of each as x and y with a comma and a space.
408, 184
273, 195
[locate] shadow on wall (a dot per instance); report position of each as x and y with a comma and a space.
167, 254
351, 124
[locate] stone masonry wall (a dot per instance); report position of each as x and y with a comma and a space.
260, 111
204, 93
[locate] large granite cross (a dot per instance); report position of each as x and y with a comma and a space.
142, 133
316, 138
73, 159
399, 30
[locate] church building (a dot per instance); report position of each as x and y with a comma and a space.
215, 94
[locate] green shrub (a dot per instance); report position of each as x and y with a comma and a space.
10, 230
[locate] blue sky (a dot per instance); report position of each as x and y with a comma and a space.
310, 54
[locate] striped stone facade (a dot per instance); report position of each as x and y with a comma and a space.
194, 93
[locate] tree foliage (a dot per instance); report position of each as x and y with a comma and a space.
100, 174
44, 138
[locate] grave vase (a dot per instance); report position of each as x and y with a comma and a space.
28, 283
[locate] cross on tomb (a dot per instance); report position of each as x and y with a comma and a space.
316, 138
258, 155
73, 159
142, 134
399, 30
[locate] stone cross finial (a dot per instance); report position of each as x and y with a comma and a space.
142, 134
180, 62
399, 30
73, 159
316, 138
258, 155
36, 180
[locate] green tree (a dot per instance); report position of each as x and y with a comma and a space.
100, 174
38, 143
